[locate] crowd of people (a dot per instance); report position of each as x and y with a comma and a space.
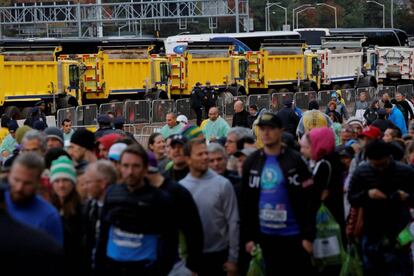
201, 199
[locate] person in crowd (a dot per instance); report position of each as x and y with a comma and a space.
182, 119
220, 218
39, 125
114, 155
411, 129
409, 154
384, 99
197, 97
279, 203
404, 107
289, 118
119, 123
340, 106
241, 156
347, 134
82, 149
104, 126
4, 130
23, 204
346, 154
54, 138
179, 168
25, 250
233, 136
318, 146
9, 143
253, 113
361, 105
210, 98
336, 126
331, 108
391, 134
191, 131
187, 217
156, 144
138, 233
34, 141
172, 126
383, 188
99, 176
382, 122
313, 118
66, 200
67, 131
215, 126
36, 114
357, 126
396, 117
240, 117
105, 143
371, 113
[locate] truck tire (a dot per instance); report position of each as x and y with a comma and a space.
13, 112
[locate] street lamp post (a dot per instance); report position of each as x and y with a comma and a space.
392, 13
267, 13
297, 14
293, 13
383, 11
332, 7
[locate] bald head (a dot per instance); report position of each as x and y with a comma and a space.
213, 113
238, 106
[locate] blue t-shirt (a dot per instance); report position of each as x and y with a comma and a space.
124, 246
38, 214
275, 212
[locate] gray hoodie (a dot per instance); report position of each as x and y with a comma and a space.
217, 204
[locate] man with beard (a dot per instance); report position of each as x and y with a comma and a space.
22, 202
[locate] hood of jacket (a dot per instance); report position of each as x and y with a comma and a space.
322, 142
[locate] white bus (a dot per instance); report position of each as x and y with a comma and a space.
243, 41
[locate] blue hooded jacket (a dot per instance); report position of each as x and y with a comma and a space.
397, 118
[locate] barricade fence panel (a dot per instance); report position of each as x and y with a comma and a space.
160, 108
302, 99
86, 115
183, 107
117, 109
278, 99
406, 90
324, 97
229, 103
137, 112
261, 101
370, 92
66, 113
390, 90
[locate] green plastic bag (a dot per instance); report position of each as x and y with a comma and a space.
327, 247
257, 266
352, 265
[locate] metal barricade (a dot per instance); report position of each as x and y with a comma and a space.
370, 92
137, 112
324, 97
229, 104
390, 90
406, 90
65, 113
221, 106
302, 99
261, 101
115, 108
130, 128
278, 99
160, 108
349, 97
183, 107
86, 115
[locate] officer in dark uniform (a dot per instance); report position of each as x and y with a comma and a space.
197, 98
210, 98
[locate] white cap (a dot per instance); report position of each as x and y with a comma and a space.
182, 119
115, 151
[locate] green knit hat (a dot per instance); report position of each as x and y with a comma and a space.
62, 168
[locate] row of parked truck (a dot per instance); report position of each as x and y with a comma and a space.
125, 72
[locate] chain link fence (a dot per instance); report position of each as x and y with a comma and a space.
324, 97
160, 108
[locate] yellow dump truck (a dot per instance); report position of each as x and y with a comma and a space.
115, 74
27, 75
202, 62
281, 66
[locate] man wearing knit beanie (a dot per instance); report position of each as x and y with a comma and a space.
62, 168
54, 138
81, 149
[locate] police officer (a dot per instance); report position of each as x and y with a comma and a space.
197, 97
210, 98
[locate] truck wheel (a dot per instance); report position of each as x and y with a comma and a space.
13, 112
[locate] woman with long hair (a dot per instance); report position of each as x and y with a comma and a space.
157, 145
67, 201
